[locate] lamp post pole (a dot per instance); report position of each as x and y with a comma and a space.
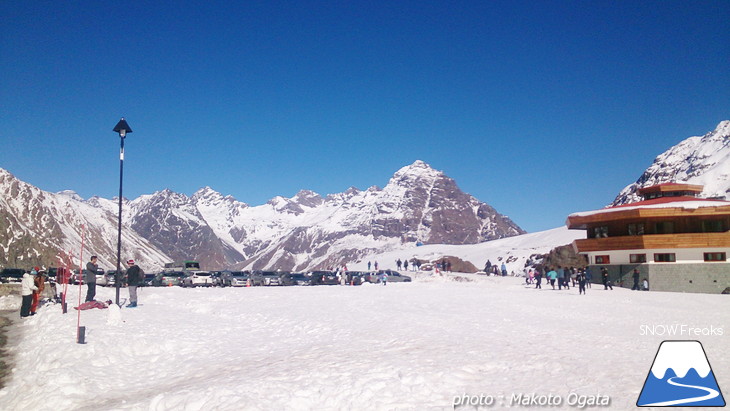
122, 128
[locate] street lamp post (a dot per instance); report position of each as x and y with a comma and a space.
122, 128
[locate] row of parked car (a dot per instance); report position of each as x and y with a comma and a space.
199, 278
271, 278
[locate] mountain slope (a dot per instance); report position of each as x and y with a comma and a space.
701, 160
40, 228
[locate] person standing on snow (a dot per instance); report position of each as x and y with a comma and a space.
606, 279
552, 275
405, 265
90, 278
135, 278
538, 277
399, 263
27, 288
384, 278
504, 270
582, 282
369, 265
40, 283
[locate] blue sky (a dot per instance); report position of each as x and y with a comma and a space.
539, 108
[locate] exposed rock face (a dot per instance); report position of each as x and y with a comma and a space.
306, 231
697, 160
39, 228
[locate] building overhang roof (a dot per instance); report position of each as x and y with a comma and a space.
671, 187
661, 207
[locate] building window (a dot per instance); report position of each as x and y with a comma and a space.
665, 258
601, 232
716, 257
636, 229
603, 259
712, 226
637, 258
665, 227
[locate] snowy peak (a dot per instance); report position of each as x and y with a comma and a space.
418, 172
702, 160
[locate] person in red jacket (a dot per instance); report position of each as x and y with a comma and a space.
40, 283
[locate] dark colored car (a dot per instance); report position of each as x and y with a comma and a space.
355, 277
148, 278
12, 275
324, 278
300, 279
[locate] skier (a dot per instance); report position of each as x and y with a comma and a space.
399, 263
405, 265
135, 277
27, 288
504, 270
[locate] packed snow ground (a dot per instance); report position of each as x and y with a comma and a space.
409, 346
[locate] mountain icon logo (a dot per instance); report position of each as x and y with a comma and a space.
680, 376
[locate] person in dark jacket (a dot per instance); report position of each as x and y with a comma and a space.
90, 278
606, 279
582, 281
135, 278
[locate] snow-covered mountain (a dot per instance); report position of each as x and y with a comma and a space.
310, 231
41, 228
698, 160
419, 204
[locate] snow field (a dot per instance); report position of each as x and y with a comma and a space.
406, 346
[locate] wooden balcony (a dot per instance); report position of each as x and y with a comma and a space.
654, 241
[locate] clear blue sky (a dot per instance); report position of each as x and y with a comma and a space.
539, 108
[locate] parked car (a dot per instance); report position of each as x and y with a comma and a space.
287, 279
239, 279
355, 277
395, 276
324, 278
101, 278
148, 278
111, 278
219, 277
168, 278
12, 275
266, 278
198, 279
300, 279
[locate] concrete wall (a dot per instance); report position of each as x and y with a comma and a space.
710, 278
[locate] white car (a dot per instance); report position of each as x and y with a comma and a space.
199, 279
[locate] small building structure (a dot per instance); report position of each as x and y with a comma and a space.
677, 241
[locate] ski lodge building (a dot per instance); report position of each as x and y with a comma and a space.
677, 241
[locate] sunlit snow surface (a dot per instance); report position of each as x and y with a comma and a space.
411, 346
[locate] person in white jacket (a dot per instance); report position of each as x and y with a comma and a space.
27, 288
